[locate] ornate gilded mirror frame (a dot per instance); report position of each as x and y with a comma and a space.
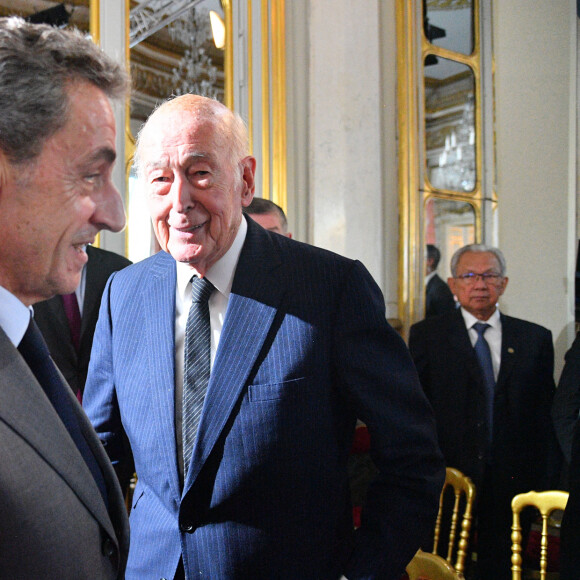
445, 130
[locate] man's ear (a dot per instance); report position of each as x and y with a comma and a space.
5, 168
248, 165
451, 282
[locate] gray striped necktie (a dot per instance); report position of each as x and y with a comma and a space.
197, 363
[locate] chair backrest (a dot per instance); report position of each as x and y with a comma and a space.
426, 566
545, 502
464, 488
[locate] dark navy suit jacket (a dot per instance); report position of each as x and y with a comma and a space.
53, 323
305, 349
523, 436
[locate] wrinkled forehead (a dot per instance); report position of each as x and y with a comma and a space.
179, 130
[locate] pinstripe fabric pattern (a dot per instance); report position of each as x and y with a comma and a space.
304, 350
197, 359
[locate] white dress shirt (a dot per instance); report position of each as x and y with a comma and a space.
14, 316
221, 275
492, 335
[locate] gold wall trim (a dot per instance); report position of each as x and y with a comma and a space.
250, 50
279, 104
265, 34
229, 55
95, 21
407, 159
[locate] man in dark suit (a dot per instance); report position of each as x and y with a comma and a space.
62, 514
298, 346
570, 530
52, 319
438, 296
493, 415
567, 400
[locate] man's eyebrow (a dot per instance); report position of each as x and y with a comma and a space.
162, 163
103, 154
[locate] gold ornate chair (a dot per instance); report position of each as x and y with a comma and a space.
545, 502
464, 493
426, 566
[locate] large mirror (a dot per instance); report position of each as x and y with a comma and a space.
449, 24
449, 225
450, 132
445, 136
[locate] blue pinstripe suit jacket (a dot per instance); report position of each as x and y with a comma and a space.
305, 350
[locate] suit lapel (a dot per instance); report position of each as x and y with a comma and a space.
253, 303
25, 407
509, 346
158, 297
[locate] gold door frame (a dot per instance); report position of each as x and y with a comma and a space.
414, 187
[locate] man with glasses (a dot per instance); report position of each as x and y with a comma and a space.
490, 380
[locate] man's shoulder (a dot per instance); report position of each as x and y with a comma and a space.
525, 327
436, 281
438, 324
307, 259
160, 262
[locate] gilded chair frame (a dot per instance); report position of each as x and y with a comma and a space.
546, 502
462, 487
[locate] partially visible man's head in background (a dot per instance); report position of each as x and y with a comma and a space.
269, 215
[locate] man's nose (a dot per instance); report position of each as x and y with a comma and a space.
109, 212
182, 194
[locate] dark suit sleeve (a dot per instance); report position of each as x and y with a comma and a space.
420, 356
567, 399
551, 451
376, 374
570, 530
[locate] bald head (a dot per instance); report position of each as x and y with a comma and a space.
228, 125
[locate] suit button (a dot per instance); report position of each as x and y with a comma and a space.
186, 527
107, 547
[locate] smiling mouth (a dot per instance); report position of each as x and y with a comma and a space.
191, 229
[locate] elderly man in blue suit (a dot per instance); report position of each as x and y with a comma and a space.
298, 348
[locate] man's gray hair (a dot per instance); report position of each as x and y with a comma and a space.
38, 64
478, 249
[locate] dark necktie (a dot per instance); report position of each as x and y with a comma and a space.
484, 357
35, 352
73, 314
197, 363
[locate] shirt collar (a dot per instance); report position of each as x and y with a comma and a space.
221, 274
14, 316
494, 320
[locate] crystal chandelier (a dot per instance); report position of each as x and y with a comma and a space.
457, 170
195, 72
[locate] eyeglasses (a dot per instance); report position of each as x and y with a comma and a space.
487, 278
